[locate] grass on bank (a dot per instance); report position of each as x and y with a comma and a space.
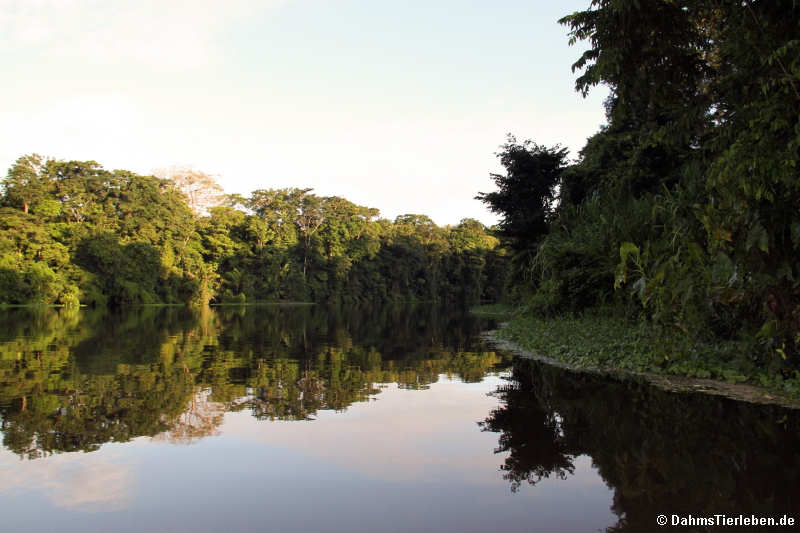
609, 342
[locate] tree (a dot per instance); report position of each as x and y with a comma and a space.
703, 133
117, 237
309, 218
201, 190
25, 183
527, 193
470, 234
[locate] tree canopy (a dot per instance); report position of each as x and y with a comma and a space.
76, 233
684, 209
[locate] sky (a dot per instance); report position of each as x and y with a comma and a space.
395, 105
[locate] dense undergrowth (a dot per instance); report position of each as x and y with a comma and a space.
681, 216
604, 341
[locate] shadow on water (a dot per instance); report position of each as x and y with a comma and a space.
72, 380
661, 452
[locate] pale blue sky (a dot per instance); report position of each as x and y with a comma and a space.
394, 105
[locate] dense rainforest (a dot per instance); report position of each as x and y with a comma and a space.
681, 215
72, 232
683, 212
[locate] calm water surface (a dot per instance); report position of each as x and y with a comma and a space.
391, 419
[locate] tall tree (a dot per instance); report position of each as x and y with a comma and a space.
527, 192
201, 190
25, 183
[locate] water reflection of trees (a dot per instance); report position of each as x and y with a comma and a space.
200, 418
73, 380
660, 452
532, 437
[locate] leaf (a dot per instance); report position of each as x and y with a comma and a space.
757, 236
639, 287
620, 275
626, 249
723, 269
767, 330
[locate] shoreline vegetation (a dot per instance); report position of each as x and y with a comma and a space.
287, 303
671, 244
630, 350
73, 233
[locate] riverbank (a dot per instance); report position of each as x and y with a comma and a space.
613, 345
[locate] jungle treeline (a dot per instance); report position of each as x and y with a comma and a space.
72, 232
683, 211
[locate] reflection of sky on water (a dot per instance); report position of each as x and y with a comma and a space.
408, 460
82, 482
403, 435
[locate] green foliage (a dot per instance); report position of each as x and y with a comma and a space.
73, 232
684, 211
606, 341
526, 196
76, 233
298, 246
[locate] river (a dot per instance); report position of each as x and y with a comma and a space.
396, 418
